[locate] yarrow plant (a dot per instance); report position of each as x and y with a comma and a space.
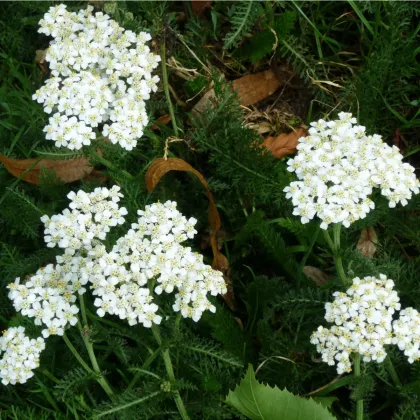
102, 78
21, 356
363, 323
149, 258
407, 333
338, 165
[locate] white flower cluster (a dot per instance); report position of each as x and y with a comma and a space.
338, 165
49, 296
152, 250
363, 323
21, 356
407, 333
90, 217
102, 74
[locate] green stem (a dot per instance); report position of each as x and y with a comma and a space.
335, 248
170, 371
89, 347
306, 256
138, 374
110, 165
359, 403
166, 87
76, 354
392, 372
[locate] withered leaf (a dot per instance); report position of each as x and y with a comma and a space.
367, 242
198, 6
67, 170
41, 61
284, 144
164, 119
316, 275
251, 89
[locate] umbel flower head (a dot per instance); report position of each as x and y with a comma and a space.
362, 319
102, 78
20, 356
338, 165
407, 333
148, 260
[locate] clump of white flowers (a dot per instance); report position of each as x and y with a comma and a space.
152, 250
338, 165
407, 333
102, 75
363, 323
21, 356
149, 258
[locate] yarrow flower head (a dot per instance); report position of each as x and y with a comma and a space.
152, 251
362, 319
338, 165
20, 356
407, 333
102, 77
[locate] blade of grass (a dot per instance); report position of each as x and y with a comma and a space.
361, 16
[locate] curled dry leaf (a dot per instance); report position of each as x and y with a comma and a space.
164, 119
251, 89
67, 170
367, 242
156, 171
316, 275
284, 144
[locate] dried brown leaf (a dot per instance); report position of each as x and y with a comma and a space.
165, 119
284, 144
67, 170
198, 6
367, 242
316, 275
251, 89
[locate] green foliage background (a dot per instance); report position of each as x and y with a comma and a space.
360, 57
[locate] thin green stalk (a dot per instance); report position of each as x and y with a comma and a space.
138, 374
110, 165
170, 371
335, 248
76, 354
306, 256
392, 372
166, 87
359, 403
89, 347
127, 405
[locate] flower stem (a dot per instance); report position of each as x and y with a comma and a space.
335, 248
170, 371
110, 165
84, 332
392, 372
166, 87
76, 354
359, 403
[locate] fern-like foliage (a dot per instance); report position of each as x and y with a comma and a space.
243, 16
200, 348
74, 381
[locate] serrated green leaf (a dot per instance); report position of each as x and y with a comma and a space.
262, 402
